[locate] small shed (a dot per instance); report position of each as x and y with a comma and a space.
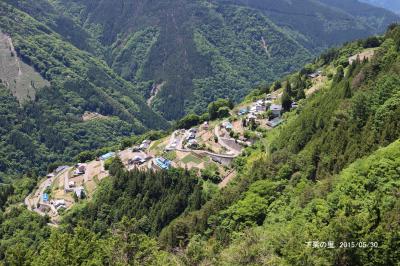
45, 197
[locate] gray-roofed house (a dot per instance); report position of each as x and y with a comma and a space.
276, 109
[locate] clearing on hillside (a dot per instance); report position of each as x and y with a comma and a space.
21, 79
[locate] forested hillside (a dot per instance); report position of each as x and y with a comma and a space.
299, 185
50, 127
329, 174
134, 65
189, 53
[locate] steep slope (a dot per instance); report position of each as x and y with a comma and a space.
298, 186
20, 78
50, 128
202, 50
324, 23
351, 219
321, 189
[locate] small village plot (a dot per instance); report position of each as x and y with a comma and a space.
208, 149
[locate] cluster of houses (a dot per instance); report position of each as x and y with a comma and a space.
80, 169
190, 138
58, 204
261, 106
70, 185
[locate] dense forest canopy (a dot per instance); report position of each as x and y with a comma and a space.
328, 173
189, 53
177, 55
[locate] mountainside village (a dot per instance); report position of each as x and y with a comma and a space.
212, 145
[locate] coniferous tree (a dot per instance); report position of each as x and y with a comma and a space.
288, 88
300, 94
286, 101
347, 90
339, 74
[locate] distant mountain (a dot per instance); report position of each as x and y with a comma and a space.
185, 54
137, 64
392, 5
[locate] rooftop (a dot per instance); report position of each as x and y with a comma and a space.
107, 156
276, 107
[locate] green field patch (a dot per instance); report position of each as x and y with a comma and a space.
191, 158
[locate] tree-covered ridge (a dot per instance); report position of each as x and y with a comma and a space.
61, 63
323, 22
201, 50
293, 188
329, 173
50, 128
360, 205
152, 198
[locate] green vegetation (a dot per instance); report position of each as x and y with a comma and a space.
211, 173
191, 158
50, 129
27, 240
99, 59
204, 50
153, 198
329, 173
301, 185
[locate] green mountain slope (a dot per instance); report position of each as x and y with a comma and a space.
50, 127
98, 57
197, 51
298, 185
358, 208
328, 175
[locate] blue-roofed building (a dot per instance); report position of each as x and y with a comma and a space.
45, 197
163, 163
107, 156
243, 111
227, 125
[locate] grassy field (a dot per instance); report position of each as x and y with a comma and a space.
191, 158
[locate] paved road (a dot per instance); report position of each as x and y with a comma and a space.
175, 139
35, 197
223, 142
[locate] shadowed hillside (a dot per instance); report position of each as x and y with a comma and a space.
204, 50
